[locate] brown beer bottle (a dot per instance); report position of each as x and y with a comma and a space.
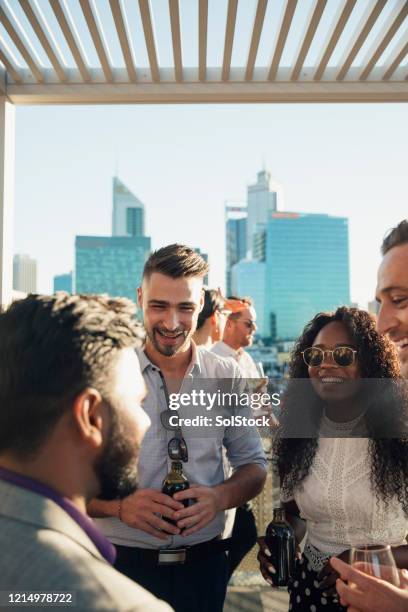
280, 539
174, 482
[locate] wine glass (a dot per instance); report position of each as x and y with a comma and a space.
377, 561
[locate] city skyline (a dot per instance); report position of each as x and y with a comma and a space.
341, 160
113, 264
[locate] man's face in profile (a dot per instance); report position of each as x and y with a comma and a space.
392, 295
244, 328
116, 467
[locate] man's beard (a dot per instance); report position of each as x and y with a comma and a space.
167, 351
116, 469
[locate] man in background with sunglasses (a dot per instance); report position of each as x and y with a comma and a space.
185, 561
238, 334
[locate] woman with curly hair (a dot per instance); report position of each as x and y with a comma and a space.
344, 476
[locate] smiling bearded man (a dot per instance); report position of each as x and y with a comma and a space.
392, 291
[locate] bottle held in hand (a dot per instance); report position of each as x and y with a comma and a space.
174, 482
280, 539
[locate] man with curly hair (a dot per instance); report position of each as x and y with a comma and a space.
71, 424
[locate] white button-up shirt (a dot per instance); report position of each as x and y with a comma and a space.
244, 360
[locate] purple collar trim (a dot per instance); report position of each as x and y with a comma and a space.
103, 545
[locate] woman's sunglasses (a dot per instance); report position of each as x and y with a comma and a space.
343, 356
177, 447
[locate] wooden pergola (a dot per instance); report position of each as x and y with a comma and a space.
35, 70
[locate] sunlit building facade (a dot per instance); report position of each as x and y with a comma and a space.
307, 269
110, 264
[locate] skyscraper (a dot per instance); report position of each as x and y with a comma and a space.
205, 257
307, 269
263, 198
110, 264
236, 242
128, 215
24, 274
63, 282
248, 279
114, 264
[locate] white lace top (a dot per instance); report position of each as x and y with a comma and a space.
338, 503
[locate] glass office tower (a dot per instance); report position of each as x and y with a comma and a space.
248, 280
110, 264
307, 269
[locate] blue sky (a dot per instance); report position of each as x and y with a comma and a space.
184, 162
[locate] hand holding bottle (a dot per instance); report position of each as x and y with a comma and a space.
199, 514
264, 557
144, 508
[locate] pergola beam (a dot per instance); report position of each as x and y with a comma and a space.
149, 39
6, 20
202, 39
44, 37
71, 38
255, 38
119, 20
314, 21
214, 92
97, 39
334, 38
362, 31
283, 34
229, 38
176, 38
393, 24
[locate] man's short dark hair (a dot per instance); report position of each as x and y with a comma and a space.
213, 302
395, 237
51, 349
176, 261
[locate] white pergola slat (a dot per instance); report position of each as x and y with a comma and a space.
8, 64
123, 38
394, 63
380, 77
283, 34
97, 38
307, 39
40, 28
7, 19
340, 24
202, 39
229, 38
149, 38
362, 31
394, 22
255, 38
176, 39
71, 38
